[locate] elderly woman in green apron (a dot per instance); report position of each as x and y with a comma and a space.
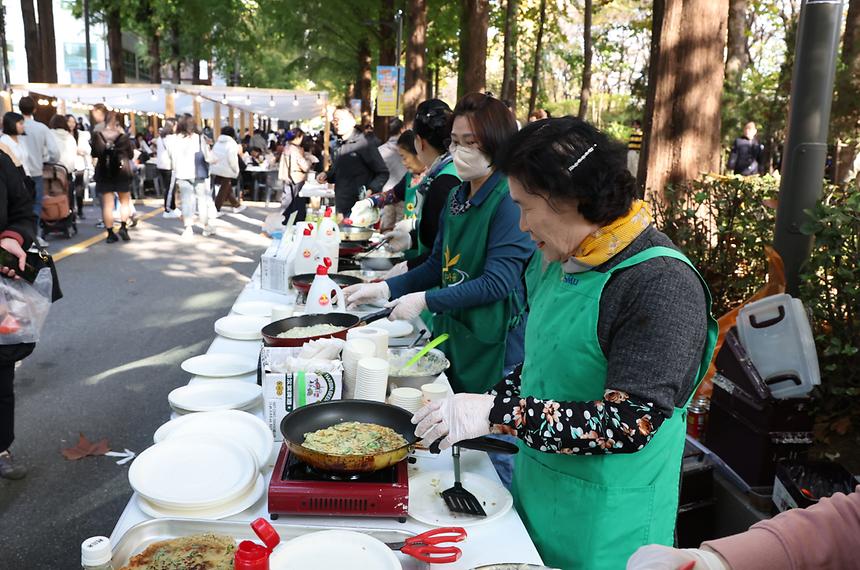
472, 280
424, 200
618, 338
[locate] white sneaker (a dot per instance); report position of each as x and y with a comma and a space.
171, 214
241, 208
188, 234
208, 231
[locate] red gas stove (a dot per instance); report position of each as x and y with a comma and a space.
298, 489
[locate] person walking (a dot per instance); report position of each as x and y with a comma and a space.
391, 156
293, 171
113, 149
17, 233
165, 167
746, 154
83, 163
225, 169
66, 143
190, 156
41, 148
358, 166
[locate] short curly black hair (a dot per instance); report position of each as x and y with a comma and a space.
567, 159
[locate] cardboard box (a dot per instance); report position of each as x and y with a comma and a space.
285, 390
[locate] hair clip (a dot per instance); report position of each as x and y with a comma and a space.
573, 166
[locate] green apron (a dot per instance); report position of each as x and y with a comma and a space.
410, 211
591, 511
476, 348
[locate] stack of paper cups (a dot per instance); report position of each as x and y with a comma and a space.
353, 351
379, 337
407, 398
371, 379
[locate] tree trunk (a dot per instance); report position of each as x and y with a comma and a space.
416, 58
195, 79
114, 26
474, 22
737, 56
387, 56
155, 57
48, 41
31, 43
362, 84
509, 78
846, 107
538, 53
177, 60
587, 52
682, 110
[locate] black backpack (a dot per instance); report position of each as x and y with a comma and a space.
112, 159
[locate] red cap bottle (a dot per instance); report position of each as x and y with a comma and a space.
251, 556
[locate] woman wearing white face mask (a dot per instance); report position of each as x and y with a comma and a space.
477, 261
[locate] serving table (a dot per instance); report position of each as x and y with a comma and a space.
502, 540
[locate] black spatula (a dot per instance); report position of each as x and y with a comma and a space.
458, 499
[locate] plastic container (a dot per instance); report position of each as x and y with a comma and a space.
96, 553
328, 239
324, 292
778, 339
307, 253
800, 484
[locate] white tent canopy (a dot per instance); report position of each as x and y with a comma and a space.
280, 104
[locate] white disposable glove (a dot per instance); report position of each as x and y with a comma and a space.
407, 307
398, 269
658, 557
457, 417
365, 293
405, 225
364, 213
398, 241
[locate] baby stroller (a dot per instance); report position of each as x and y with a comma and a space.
58, 216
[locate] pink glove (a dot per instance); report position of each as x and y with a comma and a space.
657, 557
458, 417
407, 307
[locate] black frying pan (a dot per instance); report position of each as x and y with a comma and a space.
345, 320
322, 415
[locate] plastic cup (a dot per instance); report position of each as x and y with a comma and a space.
280, 312
433, 392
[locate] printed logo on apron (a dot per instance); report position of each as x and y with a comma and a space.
450, 275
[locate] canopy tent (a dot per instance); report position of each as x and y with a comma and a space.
150, 99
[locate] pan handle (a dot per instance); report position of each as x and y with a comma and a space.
483, 443
377, 315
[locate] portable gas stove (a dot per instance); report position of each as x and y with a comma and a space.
298, 489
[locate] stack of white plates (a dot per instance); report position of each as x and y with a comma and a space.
407, 398
236, 426
196, 477
254, 308
395, 329
241, 327
353, 351
371, 379
220, 365
211, 396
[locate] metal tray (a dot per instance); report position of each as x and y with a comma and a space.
138, 537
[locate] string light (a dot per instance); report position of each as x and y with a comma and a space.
247, 99
152, 95
224, 100
54, 103
43, 102
295, 101
199, 98
271, 101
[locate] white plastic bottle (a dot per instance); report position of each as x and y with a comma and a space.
328, 239
323, 292
96, 553
307, 253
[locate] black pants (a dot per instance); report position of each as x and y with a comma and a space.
299, 205
78, 182
169, 194
9, 354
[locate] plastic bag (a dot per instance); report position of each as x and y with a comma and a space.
24, 308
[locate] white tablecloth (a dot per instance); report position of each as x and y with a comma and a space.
502, 540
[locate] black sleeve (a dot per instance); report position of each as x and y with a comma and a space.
97, 145
20, 217
434, 204
377, 168
399, 190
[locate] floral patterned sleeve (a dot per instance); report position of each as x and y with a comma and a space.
618, 423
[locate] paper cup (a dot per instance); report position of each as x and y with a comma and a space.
280, 312
433, 392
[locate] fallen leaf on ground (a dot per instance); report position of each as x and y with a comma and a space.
85, 448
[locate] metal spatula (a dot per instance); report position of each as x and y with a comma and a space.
458, 499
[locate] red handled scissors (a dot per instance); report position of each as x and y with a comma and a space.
425, 546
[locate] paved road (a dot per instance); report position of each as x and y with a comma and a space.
109, 355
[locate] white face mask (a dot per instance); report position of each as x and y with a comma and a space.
470, 163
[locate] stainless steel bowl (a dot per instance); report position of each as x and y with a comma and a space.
423, 372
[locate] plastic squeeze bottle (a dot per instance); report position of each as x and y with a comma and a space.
328, 239
307, 252
96, 553
323, 292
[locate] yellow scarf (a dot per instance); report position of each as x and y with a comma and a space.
603, 244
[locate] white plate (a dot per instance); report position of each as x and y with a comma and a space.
193, 472
222, 511
333, 549
240, 327
249, 378
426, 503
220, 365
254, 308
211, 396
395, 329
239, 427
